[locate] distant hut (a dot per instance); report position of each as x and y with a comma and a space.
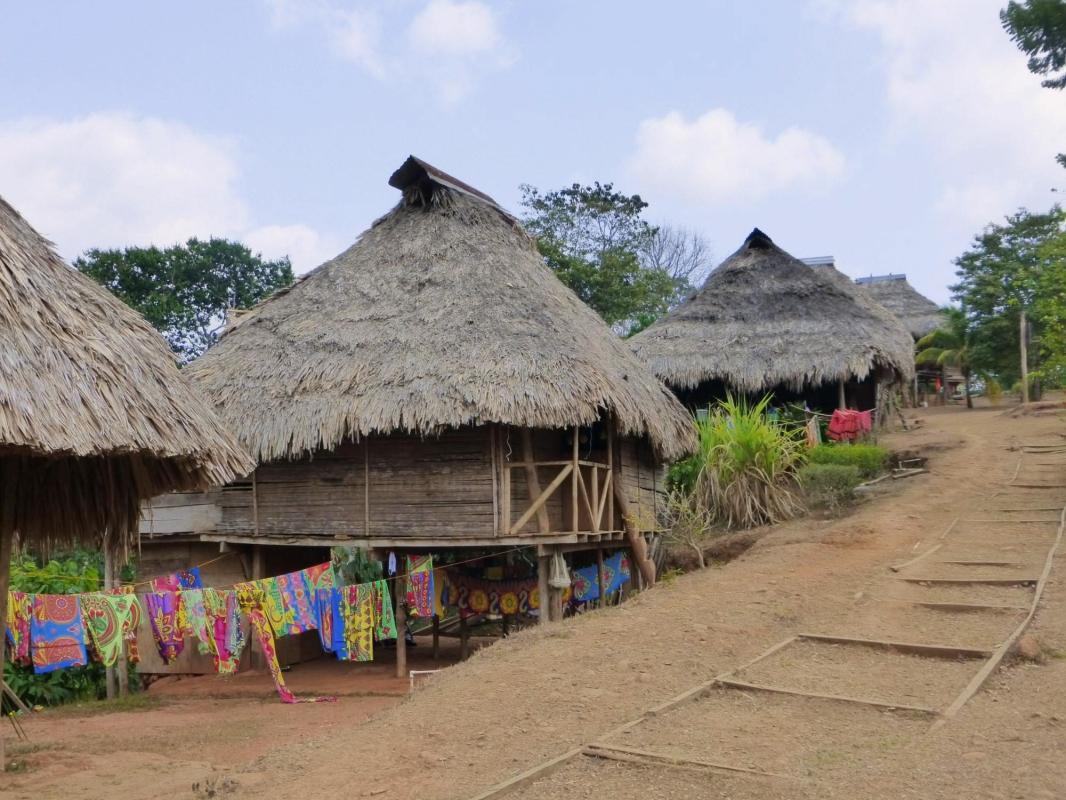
917, 312
435, 387
94, 415
764, 321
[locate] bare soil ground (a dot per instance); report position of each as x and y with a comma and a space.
547, 690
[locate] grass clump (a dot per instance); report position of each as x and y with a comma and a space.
745, 471
869, 459
829, 486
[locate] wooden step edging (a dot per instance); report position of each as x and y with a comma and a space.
733, 683
972, 581
910, 648
651, 758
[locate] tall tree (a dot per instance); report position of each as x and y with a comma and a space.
1050, 309
1038, 27
598, 243
1000, 276
186, 290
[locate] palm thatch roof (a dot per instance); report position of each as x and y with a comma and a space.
765, 319
916, 311
94, 413
442, 314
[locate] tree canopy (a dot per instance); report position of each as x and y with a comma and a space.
186, 290
599, 244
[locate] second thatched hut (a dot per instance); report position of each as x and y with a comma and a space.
764, 321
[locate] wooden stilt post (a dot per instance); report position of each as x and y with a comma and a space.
401, 631
574, 478
109, 580
436, 637
600, 576
258, 657
7, 541
543, 565
842, 402
464, 639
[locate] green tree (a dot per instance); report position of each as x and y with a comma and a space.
1038, 28
1050, 309
949, 346
999, 279
598, 243
186, 290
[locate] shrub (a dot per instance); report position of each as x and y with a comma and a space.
745, 471
829, 486
688, 523
869, 459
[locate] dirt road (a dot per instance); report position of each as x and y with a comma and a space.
546, 691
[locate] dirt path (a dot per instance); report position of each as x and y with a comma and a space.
545, 691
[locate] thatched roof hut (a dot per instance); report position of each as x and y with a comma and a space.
94, 414
441, 315
916, 311
764, 319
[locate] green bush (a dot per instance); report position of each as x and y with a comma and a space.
869, 459
830, 486
744, 473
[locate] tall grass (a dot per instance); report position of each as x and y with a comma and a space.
745, 471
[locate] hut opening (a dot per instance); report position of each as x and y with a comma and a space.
766, 322
433, 389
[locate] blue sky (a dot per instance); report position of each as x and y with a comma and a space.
883, 132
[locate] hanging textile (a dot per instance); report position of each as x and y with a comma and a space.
324, 605
295, 589
111, 621
265, 633
19, 609
182, 579
419, 589
57, 635
384, 618
327, 579
200, 627
474, 596
316, 572
440, 592
224, 623
165, 615
847, 425
358, 614
616, 573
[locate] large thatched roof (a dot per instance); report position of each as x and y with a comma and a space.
94, 413
916, 311
764, 319
442, 314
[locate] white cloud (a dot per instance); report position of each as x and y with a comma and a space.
116, 180
717, 159
443, 39
455, 29
305, 247
955, 82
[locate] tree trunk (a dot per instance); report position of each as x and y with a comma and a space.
1023, 330
699, 555
7, 541
966, 385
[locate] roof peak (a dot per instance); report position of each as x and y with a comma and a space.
757, 240
414, 172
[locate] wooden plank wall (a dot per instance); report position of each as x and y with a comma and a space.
181, 512
643, 481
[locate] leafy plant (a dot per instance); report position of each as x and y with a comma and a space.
949, 346
688, 523
868, 459
745, 471
829, 486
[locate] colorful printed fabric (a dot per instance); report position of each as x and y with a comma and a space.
357, 611
327, 579
111, 621
261, 626
324, 605
295, 591
420, 590
19, 610
57, 636
315, 573
847, 425
474, 596
224, 622
164, 613
199, 626
182, 579
384, 618
616, 573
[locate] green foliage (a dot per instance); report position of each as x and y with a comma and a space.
829, 485
596, 240
948, 346
868, 459
184, 291
69, 573
1008, 268
744, 472
994, 391
688, 522
354, 566
1038, 28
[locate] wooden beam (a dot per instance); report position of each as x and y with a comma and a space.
495, 472
537, 505
8, 500
610, 474
255, 503
575, 519
401, 629
543, 566
532, 487
758, 687
600, 577
645, 566
366, 486
650, 758
911, 648
505, 485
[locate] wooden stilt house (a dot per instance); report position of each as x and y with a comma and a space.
433, 387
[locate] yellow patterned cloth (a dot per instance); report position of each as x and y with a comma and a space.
357, 606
